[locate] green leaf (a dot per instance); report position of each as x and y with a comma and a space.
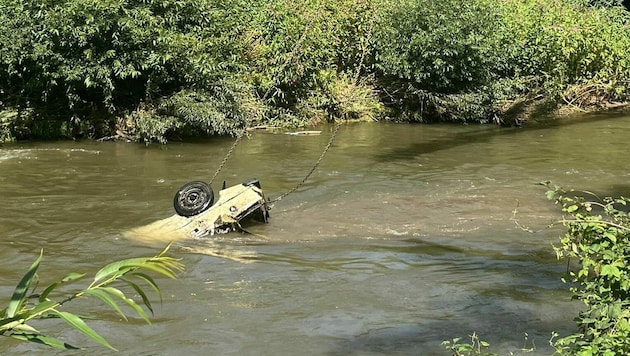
162, 266
46, 292
25, 328
80, 325
8, 324
71, 277
107, 299
151, 282
118, 268
610, 270
130, 302
42, 307
611, 237
143, 295
159, 263
19, 295
45, 340
165, 249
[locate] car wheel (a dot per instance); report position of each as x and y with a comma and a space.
193, 198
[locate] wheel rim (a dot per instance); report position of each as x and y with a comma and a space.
193, 198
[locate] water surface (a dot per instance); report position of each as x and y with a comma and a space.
403, 237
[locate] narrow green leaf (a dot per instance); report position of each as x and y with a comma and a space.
25, 328
165, 249
80, 325
8, 324
44, 340
117, 268
159, 268
120, 268
151, 282
41, 308
71, 277
19, 295
129, 302
139, 290
107, 299
46, 292
161, 265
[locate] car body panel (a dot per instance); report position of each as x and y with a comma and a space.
235, 203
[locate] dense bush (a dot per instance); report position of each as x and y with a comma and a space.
78, 60
431, 52
597, 239
481, 54
439, 46
564, 44
299, 50
153, 69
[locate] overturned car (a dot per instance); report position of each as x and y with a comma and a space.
198, 215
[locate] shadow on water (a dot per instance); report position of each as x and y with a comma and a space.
614, 190
482, 134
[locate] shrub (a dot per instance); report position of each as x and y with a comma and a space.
598, 232
289, 45
339, 97
78, 60
426, 48
563, 43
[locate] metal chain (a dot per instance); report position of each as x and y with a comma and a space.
297, 46
308, 175
229, 153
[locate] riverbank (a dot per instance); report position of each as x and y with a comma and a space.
153, 72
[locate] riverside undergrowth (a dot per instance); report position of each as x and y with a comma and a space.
597, 241
154, 70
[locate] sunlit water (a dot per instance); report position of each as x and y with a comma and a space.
405, 236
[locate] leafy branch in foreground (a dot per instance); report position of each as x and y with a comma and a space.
598, 235
24, 307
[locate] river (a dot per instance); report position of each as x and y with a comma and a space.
404, 236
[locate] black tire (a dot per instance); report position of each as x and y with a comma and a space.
193, 198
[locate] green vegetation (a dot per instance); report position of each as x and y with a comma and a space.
475, 347
25, 307
597, 238
154, 69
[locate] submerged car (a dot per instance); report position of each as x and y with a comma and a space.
195, 202
198, 215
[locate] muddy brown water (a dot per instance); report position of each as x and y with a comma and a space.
403, 237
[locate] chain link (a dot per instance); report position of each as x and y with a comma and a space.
244, 132
229, 153
297, 46
308, 175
